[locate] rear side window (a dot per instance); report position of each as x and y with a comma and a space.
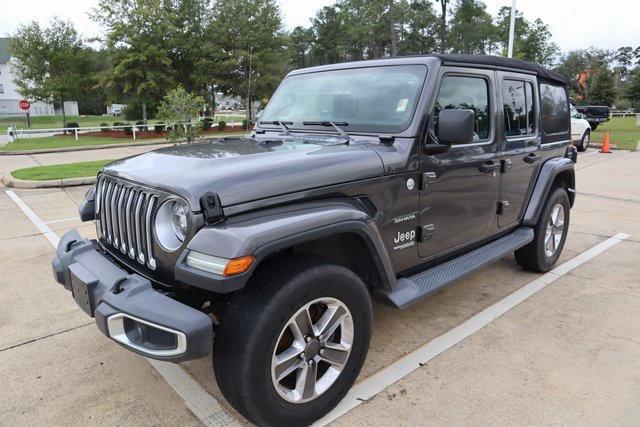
461, 92
517, 103
555, 109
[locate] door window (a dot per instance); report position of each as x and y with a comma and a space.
462, 92
517, 103
555, 109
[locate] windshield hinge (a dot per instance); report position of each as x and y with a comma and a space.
387, 139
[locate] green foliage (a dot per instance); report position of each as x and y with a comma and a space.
207, 122
73, 125
51, 63
181, 107
159, 127
128, 129
222, 125
245, 47
602, 91
104, 127
471, 28
633, 91
245, 124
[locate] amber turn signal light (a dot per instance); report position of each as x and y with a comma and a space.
238, 265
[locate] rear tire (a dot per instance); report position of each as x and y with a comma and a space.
260, 329
550, 234
586, 140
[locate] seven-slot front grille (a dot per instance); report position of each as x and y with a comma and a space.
124, 215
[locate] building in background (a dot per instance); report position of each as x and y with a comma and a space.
10, 97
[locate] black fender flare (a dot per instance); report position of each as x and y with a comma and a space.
262, 233
546, 177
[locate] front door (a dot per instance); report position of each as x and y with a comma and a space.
520, 144
459, 196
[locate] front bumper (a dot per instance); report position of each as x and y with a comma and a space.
126, 307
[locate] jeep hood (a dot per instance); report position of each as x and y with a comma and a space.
245, 169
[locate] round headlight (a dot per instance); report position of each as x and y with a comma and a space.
179, 220
172, 224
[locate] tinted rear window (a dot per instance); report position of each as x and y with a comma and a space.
555, 109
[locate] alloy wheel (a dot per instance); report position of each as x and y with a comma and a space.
312, 350
554, 230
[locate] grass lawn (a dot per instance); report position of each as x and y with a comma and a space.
69, 170
48, 122
64, 141
623, 132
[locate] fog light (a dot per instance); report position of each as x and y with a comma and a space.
146, 337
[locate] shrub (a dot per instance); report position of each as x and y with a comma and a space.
245, 124
207, 122
117, 124
141, 126
222, 125
73, 125
127, 128
159, 127
104, 127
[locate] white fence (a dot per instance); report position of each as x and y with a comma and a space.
77, 131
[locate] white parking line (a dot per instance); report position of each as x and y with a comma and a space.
204, 406
55, 221
374, 384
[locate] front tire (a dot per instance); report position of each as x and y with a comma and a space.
586, 140
290, 346
550, 234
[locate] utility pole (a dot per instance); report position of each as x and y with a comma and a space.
512, 27
249, 89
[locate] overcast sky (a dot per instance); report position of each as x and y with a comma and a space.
574, 24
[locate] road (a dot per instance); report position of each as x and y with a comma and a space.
567, 353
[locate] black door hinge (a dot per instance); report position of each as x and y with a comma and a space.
427, 179
426, 232
505, 165
503, 206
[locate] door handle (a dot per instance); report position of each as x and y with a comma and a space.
531, 158
489, 167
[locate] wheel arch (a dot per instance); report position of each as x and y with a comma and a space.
555, 173
336, 230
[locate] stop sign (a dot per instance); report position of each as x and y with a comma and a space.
24, 104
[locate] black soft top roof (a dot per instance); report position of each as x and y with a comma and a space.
503, 63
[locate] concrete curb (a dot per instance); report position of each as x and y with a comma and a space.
10, 181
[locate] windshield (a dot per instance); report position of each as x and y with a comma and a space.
574, 112
374, 99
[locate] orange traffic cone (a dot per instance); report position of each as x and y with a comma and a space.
605, 144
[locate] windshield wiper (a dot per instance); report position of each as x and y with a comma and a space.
283, 125
336, 125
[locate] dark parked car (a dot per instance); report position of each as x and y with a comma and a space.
385, 179
595, 114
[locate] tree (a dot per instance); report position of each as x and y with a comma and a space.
471, 28
250, 48
532, 41
633, 91
443, 25
603, 90
50, 63
180, 107
301, 41
137, 35
418, 34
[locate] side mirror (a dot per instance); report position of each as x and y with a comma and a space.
456, 126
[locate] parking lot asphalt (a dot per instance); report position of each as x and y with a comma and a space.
568, 354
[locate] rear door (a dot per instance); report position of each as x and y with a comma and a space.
520, 155
460, 187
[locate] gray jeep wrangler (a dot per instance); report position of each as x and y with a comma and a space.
386, 179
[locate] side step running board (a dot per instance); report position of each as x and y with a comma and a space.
413, 288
